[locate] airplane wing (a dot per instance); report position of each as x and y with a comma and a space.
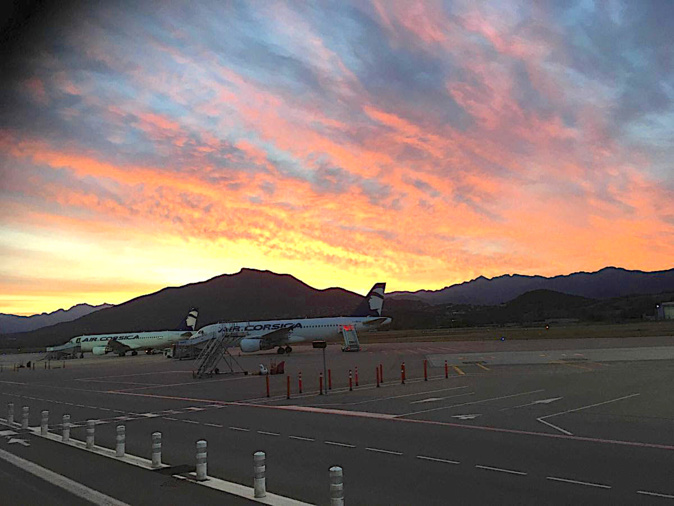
117, 347
276, 337
374, 321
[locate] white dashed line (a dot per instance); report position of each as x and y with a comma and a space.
268, 433
380, 450
509, 471
655, 494
576, 482
433, 459
170, 418
189, 421
300, 438
240, 429
335, 443
213, 425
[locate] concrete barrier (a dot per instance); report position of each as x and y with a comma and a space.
44, 423
65, 435
10, 413
24, 418
156, 449
259, 471
336, 486
202, 464
120, 447
91, 424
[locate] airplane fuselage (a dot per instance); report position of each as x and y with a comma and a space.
135, 341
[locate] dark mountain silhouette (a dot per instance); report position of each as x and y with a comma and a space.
248, 294
607, 283
10, 323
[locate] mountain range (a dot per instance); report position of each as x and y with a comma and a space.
607, 283
12, 323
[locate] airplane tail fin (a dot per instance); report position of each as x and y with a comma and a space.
373, 302
190, 322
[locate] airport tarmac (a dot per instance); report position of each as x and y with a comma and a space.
590, 421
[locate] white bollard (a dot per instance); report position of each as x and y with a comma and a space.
10, 413
24, 418
120, 449
336, 486
91, 424
259, 480
201, 461
156, 449
44, 423
66, 428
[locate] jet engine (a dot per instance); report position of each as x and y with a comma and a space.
99, 350
250, 345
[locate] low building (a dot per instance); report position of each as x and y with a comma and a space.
665, 311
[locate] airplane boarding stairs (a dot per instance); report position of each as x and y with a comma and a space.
216, 350
351, 342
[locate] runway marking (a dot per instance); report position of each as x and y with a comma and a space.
655, 494
179, 384
213, 425
170, 418
395, 397
195, 409
459, 371
576, 482
300, 438
264, 432
540, 401
381, 450
434, 459
482, 366
335, 443
241, 429
469, 403
501, 470
435, 399
189, 421
542, 418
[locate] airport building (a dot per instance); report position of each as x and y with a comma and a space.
665, 311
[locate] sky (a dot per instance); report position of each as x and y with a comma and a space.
154, 144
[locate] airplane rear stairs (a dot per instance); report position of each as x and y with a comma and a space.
216, 350
351, 342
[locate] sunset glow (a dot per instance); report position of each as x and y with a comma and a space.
418, 143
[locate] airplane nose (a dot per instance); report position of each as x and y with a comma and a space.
387, 321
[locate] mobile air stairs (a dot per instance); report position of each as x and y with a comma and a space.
351, 342
215, 351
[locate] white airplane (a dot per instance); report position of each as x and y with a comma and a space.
120, 344
268, 334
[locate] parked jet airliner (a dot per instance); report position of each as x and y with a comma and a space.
268, 334
120, 344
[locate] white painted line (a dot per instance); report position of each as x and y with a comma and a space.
189, 421
105, 409
213, 425
300, 438
194, 409
268, 433
576, 482
591, 406
240, 429
149, 415
655, 494
555, 427
501, 470
335, 443
75, 488
170, 418
469, 403
430, 399
433, 459
380, 450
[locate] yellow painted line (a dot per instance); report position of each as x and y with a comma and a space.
459, 371
482, 367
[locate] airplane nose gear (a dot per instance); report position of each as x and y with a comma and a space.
281, 350
289, 349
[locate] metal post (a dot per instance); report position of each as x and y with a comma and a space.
320, 383
10, 413
259, 469
336, 486
402, 373
329, 379
325, 371
376, 371
381, 373
24, 418
91, 424
288, 387
266, 378
425, 370
156, 449
356, 375
202, 456
120, 448
66, 429
44, 423
350, 381
300, 381
446, 370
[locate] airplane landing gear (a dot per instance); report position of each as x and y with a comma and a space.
134, 353
281, 350
289, 349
